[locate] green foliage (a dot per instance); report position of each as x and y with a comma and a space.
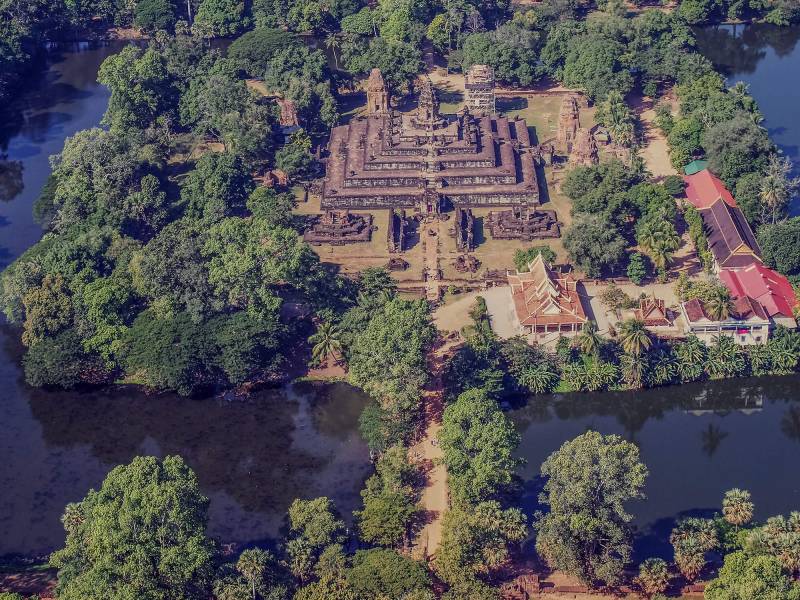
143, 533
295, 157
60, 361
586, 531
509, 50
478, 443
637, 268
524, 257
221, 17
476, 540
141, 88
154, 15
379, 573
653, 577
252, 51
314, 526
593, 64
780, 244
750, 577
387, 358
594, 245
218, 186
389, 499
272, 207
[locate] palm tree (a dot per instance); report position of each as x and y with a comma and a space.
333, 43
718, 304
689, 559
540, 378
252, 564
633, 367
653, 577
589, 341
326, 343
663, 368
778, 187
737, 508
691, 356
659, 239
634, 337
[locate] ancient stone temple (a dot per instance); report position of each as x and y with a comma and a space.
397, 231
377, 94
464, 230
426, 160
479, 90
523, 224
584, 150
339, 227
569, 122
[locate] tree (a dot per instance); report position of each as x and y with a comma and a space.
478, 444
389, 499
380, 573
522, 258
724, 358
594, 245
589, 341
748, 577
60, 361
154, 15
387, 359
313, 527
143, 533
253, 564
653, 577
778, 188
691, 539
326, 343
141, 89
659, 239
634, 337
509, 50
252, 51
295, 157
586, 531
737, 508
476, 539
48, 310
221, 17
218, 186
780, 243
637, 269
594, 64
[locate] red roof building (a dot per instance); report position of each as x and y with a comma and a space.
546, 303
748, 322
703, 189
652, 312
769, 288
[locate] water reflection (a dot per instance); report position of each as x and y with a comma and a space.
697, 440
252, 457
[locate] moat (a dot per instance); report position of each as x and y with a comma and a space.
254, 456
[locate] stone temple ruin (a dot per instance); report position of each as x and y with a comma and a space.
425, 160
584, 149
464, 230
339, 228
479, 90
569, 121
398, 231
523, 224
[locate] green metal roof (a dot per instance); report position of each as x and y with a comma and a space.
695, 167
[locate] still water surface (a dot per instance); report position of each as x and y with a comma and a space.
253, 457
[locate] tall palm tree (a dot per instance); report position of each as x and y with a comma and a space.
326, 343
634, 337
252, 564
719, 304
737, 508
633, 368
691, 357
659, 239
589, 341
778, 187
333, 43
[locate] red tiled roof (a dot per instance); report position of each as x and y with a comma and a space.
703, 189
744, 309
730, 237
772, 290
694, 310
541, 298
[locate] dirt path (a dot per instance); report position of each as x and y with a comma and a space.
655, 150
427, 453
